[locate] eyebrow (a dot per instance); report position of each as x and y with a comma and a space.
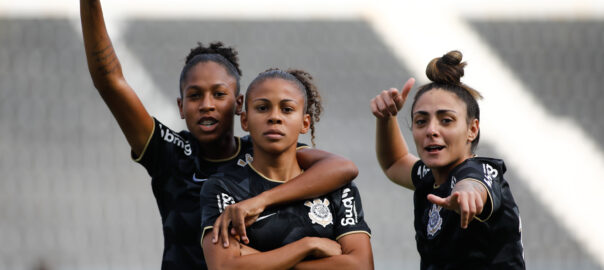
281, 101
212, 87
437, 112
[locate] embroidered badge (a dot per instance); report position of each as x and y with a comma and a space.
435, 221
319, 212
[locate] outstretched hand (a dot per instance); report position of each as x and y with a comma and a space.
467, 199
241, 215
390, 101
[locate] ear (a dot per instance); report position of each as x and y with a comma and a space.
239, 104
473, 129
243, 119
305, 123
180, 108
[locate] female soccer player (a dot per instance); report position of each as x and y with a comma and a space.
279, 106
465, 215
180, 162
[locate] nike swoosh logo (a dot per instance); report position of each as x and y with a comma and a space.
198, 180
265, 216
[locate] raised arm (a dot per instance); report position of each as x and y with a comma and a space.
281, 258
356, 254
324, 172
106, 73
391, 148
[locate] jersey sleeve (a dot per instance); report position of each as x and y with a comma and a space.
214, 197
349, 217
161, 146
489, 173
419, 172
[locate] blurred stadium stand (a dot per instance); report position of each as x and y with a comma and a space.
71, 198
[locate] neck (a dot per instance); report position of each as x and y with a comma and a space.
442, 173
277, 166
223, 147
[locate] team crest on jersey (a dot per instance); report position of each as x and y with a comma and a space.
319, 212
435, 221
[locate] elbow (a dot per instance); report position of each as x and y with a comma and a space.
351, 170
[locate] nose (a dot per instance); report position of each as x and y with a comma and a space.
275, 117
207, 104
431, 129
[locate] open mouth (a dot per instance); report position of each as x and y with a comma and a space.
207, 121
433, 148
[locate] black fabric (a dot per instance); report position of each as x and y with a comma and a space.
178, 172
493, 243
333, 215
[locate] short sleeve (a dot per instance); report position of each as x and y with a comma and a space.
161, 147
490, 174
419, 172
214, 197
349, 212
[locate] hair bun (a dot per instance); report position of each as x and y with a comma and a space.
447, 69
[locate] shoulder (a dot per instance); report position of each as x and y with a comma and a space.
420, 173
481, 168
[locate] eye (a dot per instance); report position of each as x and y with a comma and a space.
193, 95
261, 108
287, 109
219, 94
419, 122
446, 121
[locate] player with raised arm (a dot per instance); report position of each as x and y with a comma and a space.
180, 162
465, 214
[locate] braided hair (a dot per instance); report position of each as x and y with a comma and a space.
215, 52
304, 81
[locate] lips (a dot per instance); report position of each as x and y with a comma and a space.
273, 134
207, 123
434, 148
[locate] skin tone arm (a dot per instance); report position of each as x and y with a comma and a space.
467, 197
106, 72
391, 148
356, 254
324, 172
284, 257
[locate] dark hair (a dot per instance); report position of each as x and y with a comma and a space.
445, 73
216, 52
304, 81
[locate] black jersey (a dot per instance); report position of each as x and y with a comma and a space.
492, 241
178, 172
331, 216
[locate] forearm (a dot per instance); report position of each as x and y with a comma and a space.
356, 254
322, 176
335, 263
103, 64
390, 144
284, 257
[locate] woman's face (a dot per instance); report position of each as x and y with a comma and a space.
441, 131
208, 102
275, 115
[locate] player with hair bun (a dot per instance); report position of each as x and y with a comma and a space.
180, 162
465, 214
280, 105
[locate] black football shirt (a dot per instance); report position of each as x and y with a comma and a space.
333, 215
178, 171
491, 241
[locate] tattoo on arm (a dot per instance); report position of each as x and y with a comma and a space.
106, 60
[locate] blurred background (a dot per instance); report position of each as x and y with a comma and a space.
71, 197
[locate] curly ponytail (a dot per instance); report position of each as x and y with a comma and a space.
304, 81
